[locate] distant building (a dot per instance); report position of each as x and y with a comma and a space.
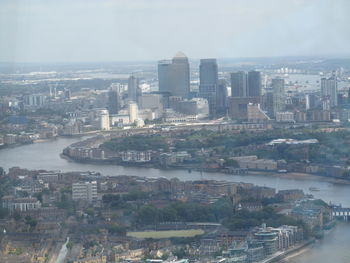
269, 240
86, 191
255, 251
238, 107
255, 114
35, 100
268, 104
285, 116
67, 94
290, 195
165, 76
133, 89
114, 101
195, 106
133, 112
300, 116
119, 119
254, 84
221, 98
153, 102
147, 114
136, 156
252, 162
103, 119
20, 204
174, 76
329, 90
278, 95
319, 115
208, 83
239, 84
175, 117
245, 89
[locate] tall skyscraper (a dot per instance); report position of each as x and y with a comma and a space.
164, 75
133, 88
208, 82
246, 85
278, 95
254, 84
268, 103
114, 101
221, 98
239, 84
245, 89
174, 76
329, 89
181, 75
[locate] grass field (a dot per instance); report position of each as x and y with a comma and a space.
166, 234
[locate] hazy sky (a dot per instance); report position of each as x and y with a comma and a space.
112, 30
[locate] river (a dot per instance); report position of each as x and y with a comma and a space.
46, 155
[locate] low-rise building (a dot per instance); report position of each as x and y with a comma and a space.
86, 191
290, 195
20, 204
136, 156
252, 162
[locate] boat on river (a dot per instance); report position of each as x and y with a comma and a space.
314, 189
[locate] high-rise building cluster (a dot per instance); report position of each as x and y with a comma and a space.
174, 80
178, 94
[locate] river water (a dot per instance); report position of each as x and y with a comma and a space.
46, 155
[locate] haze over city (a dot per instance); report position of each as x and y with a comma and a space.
87, 30
174, 131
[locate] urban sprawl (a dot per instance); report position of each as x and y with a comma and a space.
274, 117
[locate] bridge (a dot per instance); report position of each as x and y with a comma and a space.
340, 212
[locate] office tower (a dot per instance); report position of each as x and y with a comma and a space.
268, 103
254, 84
221, 97
245, 89
239, 84
133, 112
208, 82
278, 95
133, 88
329, 89
114, 101
174, 76
164, 75
181, 75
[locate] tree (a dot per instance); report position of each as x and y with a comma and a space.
116, 229
17, 216
31, 221
3, 213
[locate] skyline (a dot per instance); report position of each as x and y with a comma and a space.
92, 31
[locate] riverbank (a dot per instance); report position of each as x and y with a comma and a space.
288, 175
290, 252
